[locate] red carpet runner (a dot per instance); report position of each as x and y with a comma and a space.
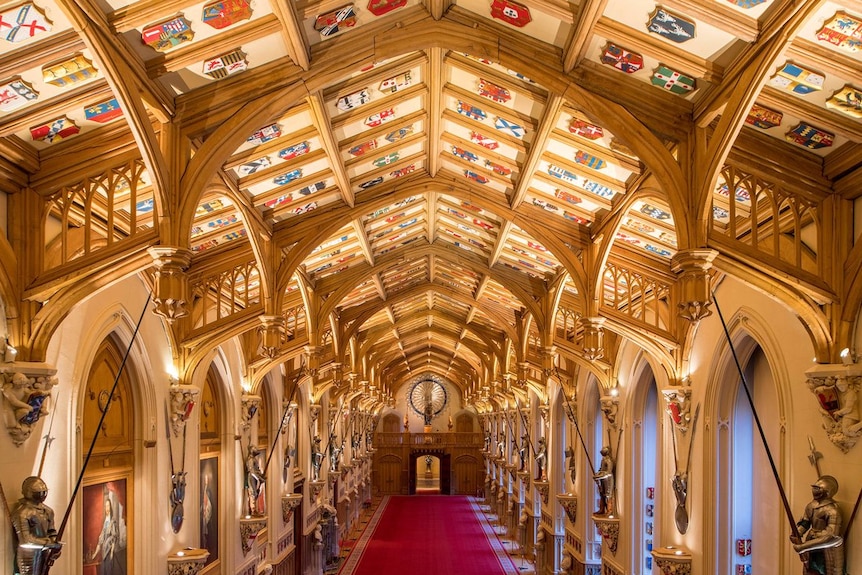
428, 535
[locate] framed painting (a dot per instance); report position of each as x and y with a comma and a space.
209, 520
105, 534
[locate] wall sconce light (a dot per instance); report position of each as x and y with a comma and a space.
847, 356
9, 352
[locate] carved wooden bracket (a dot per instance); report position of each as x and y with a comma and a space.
187, 562
836, 389
27, 393
672, 560
249, 529
171, 288
289, 502
569, 503
609, 528
183, 400
544, 489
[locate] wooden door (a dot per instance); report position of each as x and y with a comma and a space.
464, 476
446, 474
389, 475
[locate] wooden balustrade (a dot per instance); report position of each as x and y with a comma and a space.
435, 439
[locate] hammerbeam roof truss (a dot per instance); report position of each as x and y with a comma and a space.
513, 180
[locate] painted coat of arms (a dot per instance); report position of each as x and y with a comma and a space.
842, 30
353, 100
621, 59
360, 149
493, 91
379, 118
55, 130
464, 154
511, 12
671, 26
797, 79
254, 166
847, 100
508, 127
399, 134
386, 160
395, 83
288, 177
381, 7
265, 134
294, 151
471, 111
23, 23
809, 137
335, 21
103, 111
484, 141
223, 13
166, 35
763, 118
672, 81
75, 69
226, 64
586, 130
589, 160
16, 93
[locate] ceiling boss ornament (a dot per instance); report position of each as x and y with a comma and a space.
428, 398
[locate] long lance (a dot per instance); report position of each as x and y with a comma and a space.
853, 516
48, 439
574, 419
15, 526
330, 427
784, 501
170, 446
526, 427
284, 416
512, 431
68, 512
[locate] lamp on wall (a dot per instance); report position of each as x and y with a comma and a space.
847, 356
9, 352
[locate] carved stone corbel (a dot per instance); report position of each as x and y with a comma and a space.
249, 529
182, 401
610, 405
249, 406
836, 389
271, 334
678, 401
694, 282
170, 288
594, 337
609, 528
544, 489
187, 562
314, 489
289, 502
672, 560
27, 395
569, 503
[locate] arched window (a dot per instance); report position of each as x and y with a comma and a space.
210, 456
749, 505
645, 467
107, 538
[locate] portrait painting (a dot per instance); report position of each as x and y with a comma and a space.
105, 535
209, 508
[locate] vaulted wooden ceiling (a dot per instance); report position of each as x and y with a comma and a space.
512, 174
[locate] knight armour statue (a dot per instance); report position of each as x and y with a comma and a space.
37, 545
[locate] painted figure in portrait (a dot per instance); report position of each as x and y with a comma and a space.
105, 535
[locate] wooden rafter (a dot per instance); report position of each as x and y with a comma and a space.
537, 147
321, 120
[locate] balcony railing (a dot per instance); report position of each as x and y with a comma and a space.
433, 439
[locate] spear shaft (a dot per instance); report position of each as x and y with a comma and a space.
784, 501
